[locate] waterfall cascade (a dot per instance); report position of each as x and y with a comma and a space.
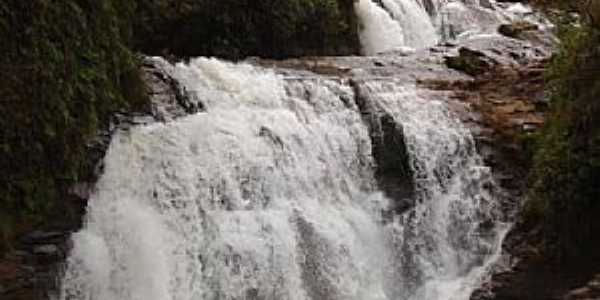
271, 194
394, 24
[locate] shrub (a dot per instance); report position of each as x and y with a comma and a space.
565, 189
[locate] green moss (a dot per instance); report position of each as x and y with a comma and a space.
65, 66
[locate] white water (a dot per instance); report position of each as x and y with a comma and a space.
271, 194
406, 23
379, 32
445, 246
418, 28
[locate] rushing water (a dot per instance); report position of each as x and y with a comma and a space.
444, 246
271, 194
398, 24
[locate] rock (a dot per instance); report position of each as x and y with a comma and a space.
580, 293
515, 107
393, 172
529, 128
591, 11
43, 237
21, 253
594, 285
516, 29
472, 62
83, 190
486, 4
47, 250
168, 99
532, 119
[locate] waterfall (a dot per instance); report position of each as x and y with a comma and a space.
393, 24
379, 31
445, 245
419, 31
271, 194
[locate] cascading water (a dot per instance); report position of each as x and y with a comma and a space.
271, 194
395, 24
379, 32
445, 245
417, 25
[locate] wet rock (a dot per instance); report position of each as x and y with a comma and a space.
47, 250
82, 190
43, 237
486, 4
393, 171
595, 286
590, 291
580, 293
168, 99
472, 62
516, 29
591, 11
515, 107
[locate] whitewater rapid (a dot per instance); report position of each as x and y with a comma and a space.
271, 194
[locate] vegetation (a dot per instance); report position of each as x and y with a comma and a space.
240, 28
65, 66
565, 192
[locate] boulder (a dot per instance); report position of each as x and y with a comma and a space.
470, 61
47, 250
516, 29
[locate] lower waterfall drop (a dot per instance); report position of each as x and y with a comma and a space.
271, 194
446, 244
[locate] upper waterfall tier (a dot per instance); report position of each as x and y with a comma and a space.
397, 24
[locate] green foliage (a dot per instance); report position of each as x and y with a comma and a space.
65, 67
240, 28
565, 189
